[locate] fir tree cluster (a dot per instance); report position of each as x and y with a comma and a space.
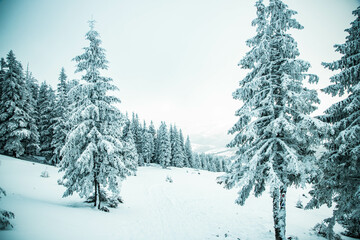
33, 117
166, 147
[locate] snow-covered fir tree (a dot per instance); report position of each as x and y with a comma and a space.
164, 146
46, 105
172, 141
2, 81
32, 84
14, 119
5, 215
203, 161
156, 148
137, 132
74, 100
2, 72
197, 163
219, 164
182, 143
147, 145
60, 126
189, 158
93, 155
152, 131
177, 153
129, 152
275, 136
32, 91
339, 181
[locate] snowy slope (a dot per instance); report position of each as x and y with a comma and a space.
225, 152
192, 207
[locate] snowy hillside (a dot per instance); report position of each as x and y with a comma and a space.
226, 152
193, 206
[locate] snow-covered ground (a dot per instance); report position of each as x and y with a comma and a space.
193, 206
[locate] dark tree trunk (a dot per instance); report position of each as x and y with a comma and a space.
283, 191
98, 187
275, 197
279, 212
95, 197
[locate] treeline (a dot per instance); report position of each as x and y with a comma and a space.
166, 146
34, 120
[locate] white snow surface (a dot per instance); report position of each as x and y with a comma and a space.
193, 206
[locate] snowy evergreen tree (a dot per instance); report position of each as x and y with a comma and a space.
70, 85
275, 136
74, 100
60, 126
203, 162
2, 81
129, 151
197, 161
177, 152
93, 155
147, 145
189, 158
14, 119
138, 137
5, 216
211, 163
152, 131
2, 72
32, 91
156, 148
32, 84
218, 163
172, 143
164, 146
46, 105
182, 144
339, 181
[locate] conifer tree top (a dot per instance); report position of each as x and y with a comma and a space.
94, 57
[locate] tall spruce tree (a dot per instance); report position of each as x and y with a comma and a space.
275, 136
32, 92
182, 144
339, 181
46, 105
73, 99
2, 81
203, 161
164, 146
59, 121
2, 72
147, 145
14, 118
172, 144
177, 152
197, 163
138, 137
129, 152
189, 158
93, 155
152, 131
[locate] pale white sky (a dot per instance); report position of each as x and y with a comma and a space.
173, 61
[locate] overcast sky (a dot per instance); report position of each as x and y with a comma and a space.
173, 61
